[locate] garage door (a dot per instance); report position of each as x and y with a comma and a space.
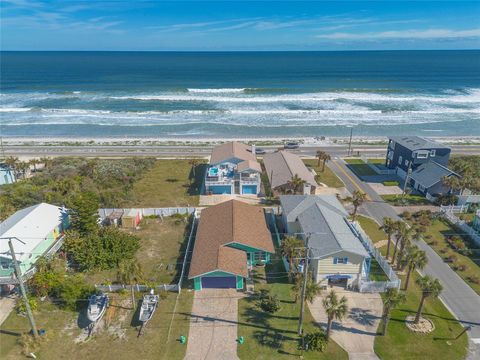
219, 282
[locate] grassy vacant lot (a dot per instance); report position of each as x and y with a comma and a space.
274, 336
398, 200
359, 167
403, 344
161, 252
168, 183
436, 238
114, 338
327, 176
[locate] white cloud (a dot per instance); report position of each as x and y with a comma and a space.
404, 34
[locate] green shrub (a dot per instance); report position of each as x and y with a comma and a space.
270, 304
316, 341
391, 183
20, 307
74, 291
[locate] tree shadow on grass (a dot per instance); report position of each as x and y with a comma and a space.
196, 179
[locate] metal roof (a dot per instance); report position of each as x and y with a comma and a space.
417, 142
431, 173
31, 225
324, 218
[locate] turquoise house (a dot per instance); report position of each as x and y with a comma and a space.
39, 228
231, 238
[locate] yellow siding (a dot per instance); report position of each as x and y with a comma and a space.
354, 266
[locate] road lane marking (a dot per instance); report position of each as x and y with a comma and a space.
352, 180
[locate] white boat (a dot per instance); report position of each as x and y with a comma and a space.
97, 304
149, 305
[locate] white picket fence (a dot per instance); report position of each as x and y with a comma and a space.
462, 225
453, 208
375, 286
141, 288
160, 212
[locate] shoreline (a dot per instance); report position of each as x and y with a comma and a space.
198, 141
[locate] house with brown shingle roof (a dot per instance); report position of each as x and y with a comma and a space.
231, 236
281, 168
233, 169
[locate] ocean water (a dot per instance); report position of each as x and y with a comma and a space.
250, 94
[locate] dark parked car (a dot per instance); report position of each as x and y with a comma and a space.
291, 145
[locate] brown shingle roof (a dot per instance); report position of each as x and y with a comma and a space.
249, 165
229, 222
231, 150
282, 166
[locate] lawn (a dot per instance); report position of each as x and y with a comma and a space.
398, 200
380, 161
161, 251
403, 344
435, 237
274, 336
376, 272
359, 167
327, 176
372, 228
168, 183
115, 336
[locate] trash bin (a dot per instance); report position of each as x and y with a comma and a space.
241, 340
183, 339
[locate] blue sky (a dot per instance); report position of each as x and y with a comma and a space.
235, 25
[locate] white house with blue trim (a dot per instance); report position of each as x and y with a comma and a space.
7, 175
338, 257
233, 169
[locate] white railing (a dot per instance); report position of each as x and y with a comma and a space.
375, 286
118, 287
462, 225
453, 208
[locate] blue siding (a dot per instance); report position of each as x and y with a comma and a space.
249, 189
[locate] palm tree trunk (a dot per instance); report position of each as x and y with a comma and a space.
323, 167
420, 308
395, 249
329, 326
388, 245
385, 319
318, 162
400, 253
410, 268
355, 208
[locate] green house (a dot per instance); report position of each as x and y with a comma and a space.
40, 230
231, 237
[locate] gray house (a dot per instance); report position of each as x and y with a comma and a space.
338, 255
412, 151
427, 179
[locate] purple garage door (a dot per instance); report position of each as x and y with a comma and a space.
219, 282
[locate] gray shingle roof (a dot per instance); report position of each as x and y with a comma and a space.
430, 173
282, 166
417, 143
325, 219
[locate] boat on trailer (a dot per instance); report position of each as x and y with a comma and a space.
97, 305
149, 305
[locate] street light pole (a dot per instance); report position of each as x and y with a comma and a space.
304, 287
350, 142
18, 274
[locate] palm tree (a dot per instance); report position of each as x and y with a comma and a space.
296, 183
335, 309
406, 234
357, 200
34, 162
292, 248
391, 299
323, 156
130, 272
429, 287
326, 158
398, 225
452, 182
193, 163
320, 154
46, 162
312, 290
12, 162
415, 259
389, 227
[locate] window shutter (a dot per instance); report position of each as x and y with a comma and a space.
335, 260
345, 260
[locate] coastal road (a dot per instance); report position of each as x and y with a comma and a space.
92, 150
459, 298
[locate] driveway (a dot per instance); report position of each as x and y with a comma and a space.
356, 333
213, 325
7, 303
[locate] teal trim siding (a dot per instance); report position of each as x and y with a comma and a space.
239, 283
254, 256
197, 283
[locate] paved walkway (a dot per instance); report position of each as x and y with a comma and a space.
356, 333
7, 303
213, 325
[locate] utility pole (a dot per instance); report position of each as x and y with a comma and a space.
304, 287
350, 142
18, 274
409, 172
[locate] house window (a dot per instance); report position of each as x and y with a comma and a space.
422, 155
433, 152
406, 162
337, 260
4, 265
400, 160
258, 256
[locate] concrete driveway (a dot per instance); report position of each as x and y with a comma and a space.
213, 325
356, 333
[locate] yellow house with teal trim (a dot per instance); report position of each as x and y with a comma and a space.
231, 237
39, 228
